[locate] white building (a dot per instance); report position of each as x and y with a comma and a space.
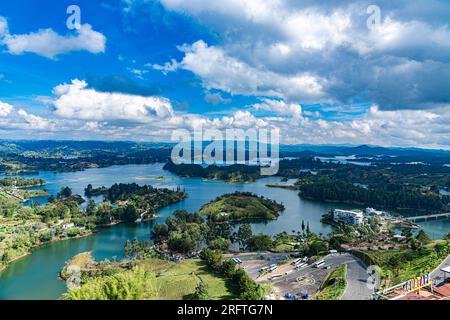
374, 212
352, 217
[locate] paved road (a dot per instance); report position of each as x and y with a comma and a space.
437, 275
356, 273
356, 282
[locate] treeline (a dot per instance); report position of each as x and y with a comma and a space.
238, 172
325, 188
186, 232
21, 182
67, 160
235, 172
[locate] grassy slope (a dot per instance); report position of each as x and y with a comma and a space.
401, 265
176, 281
179, 280
330, 290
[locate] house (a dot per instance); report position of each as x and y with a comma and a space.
68, 226
398, 237
374, 212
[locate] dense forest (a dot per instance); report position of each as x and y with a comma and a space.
233, 173
326, 188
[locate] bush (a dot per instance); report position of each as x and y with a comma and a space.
132, 285
47, 236
220, 244
73, 232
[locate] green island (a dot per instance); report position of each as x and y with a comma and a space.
23, 228
282, 186
240, 206
233, 173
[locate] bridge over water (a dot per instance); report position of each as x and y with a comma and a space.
437, 216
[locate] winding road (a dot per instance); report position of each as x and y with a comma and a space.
356, 278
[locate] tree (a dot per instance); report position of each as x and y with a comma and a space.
160, 232
90, 208
130, 213
136, 284
248, 290
181, 242
6, 257
422, 237
441, 249
213, 258
303, 226
407, 233
447, 237
65, 192
261, 242
244, 235
228, 268
128, 250
220, 244
317, 246
201, 292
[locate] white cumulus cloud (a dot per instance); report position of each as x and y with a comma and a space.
49, 44
77, 101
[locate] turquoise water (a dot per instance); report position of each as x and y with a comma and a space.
36, 276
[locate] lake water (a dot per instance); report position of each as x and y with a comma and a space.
36, 276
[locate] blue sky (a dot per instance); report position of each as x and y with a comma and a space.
139, 69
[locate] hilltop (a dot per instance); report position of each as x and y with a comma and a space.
240, 206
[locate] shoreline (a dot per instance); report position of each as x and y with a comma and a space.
28, 252
70, 238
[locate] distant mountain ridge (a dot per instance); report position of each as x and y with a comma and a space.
302, 150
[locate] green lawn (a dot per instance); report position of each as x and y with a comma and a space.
179, 280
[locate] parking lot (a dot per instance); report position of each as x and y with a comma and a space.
305, 281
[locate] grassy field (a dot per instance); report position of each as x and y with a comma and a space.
171, 281
178, 281
334, 285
